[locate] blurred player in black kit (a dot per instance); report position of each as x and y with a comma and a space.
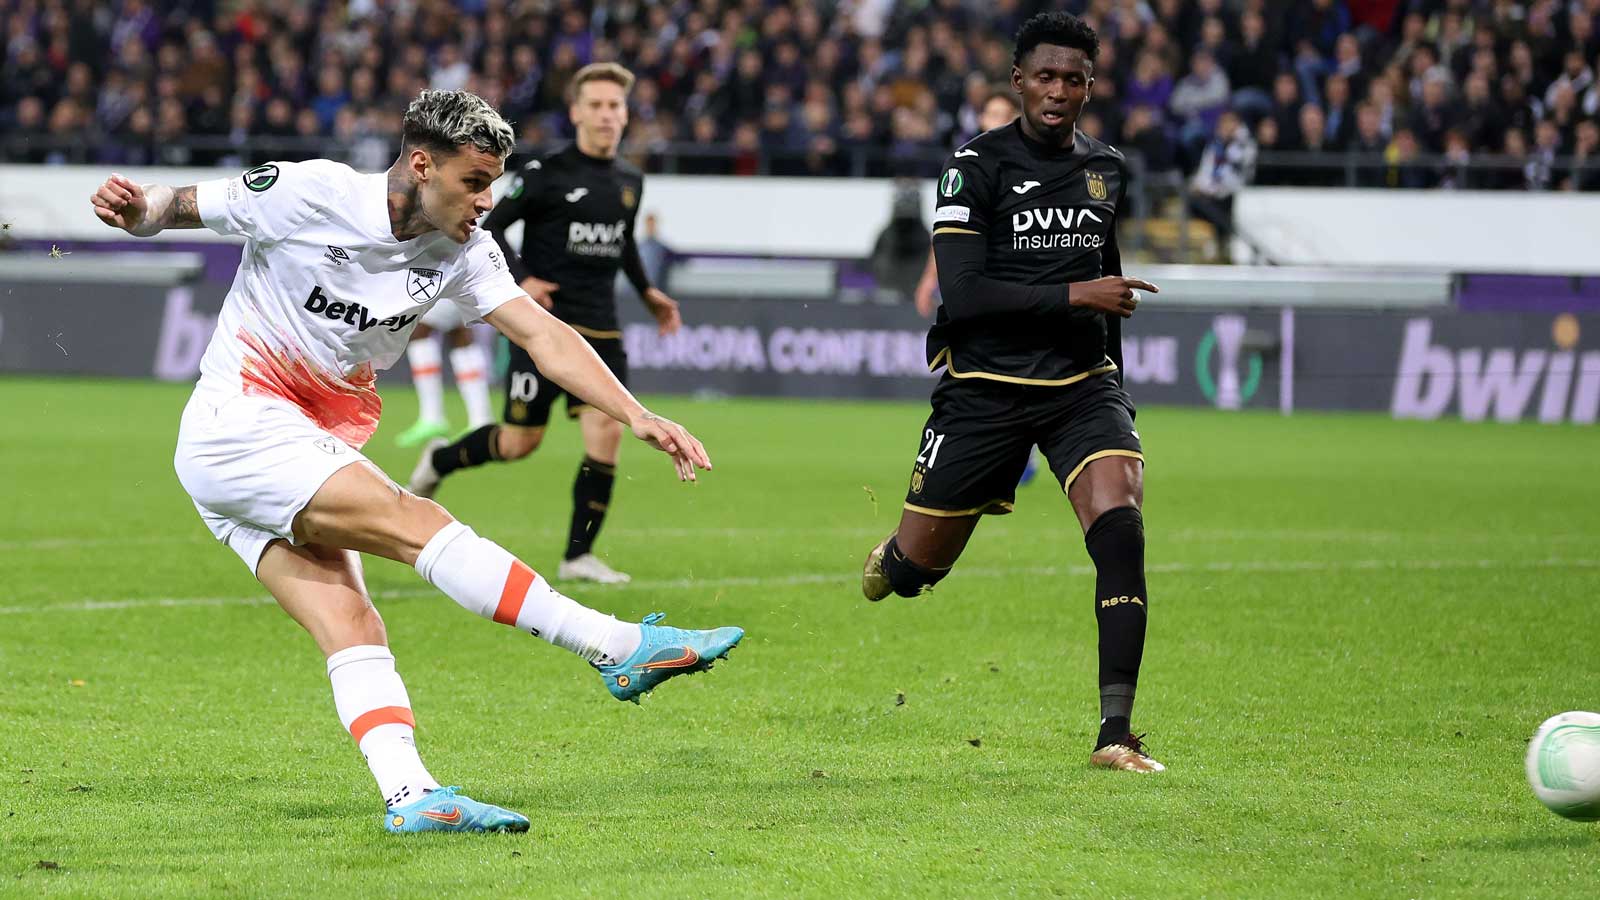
1029, 336
578, 206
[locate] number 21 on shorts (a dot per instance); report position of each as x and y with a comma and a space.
930, 447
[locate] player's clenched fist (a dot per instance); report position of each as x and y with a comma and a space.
120, 203
1114, 294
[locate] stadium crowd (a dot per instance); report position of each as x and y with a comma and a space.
1206, 87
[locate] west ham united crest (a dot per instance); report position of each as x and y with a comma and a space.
1097, 185
423, 284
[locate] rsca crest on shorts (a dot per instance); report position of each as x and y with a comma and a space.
261, 177
950, 184
423, 284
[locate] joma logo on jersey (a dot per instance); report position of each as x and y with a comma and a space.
355, 314
1064, 229
597, 238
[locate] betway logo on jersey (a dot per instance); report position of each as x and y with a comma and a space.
355, 314
597, 238
1503, 383
1056, 228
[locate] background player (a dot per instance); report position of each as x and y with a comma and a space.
469, 365
1028, 336
269, 443
578, 205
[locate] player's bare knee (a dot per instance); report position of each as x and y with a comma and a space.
515, 443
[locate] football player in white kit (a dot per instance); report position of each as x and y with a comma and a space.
337, 268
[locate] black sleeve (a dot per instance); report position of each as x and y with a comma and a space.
969, 294
513, 207
633, 267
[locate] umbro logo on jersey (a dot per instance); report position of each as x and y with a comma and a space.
1025, 187
336, 255
319, 304
576, 194
962, 154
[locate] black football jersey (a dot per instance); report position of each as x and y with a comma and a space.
1047, 217
578, 213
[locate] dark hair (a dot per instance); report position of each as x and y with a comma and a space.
1058, 28
998, 92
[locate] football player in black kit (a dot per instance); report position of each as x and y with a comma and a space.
578, 207
1029, 336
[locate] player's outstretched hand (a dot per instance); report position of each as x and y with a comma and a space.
665, 309
540, 290
1113, 294
120, 203
674, 440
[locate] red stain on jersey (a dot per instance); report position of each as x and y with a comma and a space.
345, 406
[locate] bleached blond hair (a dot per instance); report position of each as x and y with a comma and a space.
442, 121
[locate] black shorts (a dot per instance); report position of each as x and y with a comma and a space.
976, 443
529, 395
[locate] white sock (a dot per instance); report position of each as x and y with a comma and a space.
374, 708
481, 576
471, 367
423, 355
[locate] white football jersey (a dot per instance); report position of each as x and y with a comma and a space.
325, 295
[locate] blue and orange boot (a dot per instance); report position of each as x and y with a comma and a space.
664, 652
445, 810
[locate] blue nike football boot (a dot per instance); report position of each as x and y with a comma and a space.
664, 652
445, 810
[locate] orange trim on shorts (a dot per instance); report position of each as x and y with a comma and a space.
384, 715
518, 580
419, 371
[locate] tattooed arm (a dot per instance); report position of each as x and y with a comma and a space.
145, 210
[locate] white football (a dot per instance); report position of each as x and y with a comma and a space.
1564, 765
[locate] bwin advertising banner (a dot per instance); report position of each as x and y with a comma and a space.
1500, 366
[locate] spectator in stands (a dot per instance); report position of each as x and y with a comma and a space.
1226, 165
1367, 148
1406, 169
1456, 172
1198, 101
1541, 166
1339, 114
1584, 175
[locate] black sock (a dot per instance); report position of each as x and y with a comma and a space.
591, 494
1116, 544
473, 449
906, 577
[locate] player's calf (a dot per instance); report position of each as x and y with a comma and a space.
1116, 544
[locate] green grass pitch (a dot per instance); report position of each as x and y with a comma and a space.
1355, 625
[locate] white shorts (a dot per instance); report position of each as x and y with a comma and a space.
444, 316
251, 464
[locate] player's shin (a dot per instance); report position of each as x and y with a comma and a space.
1116, 544
471, 367
907, 577
591, 497
374, 708
485, 579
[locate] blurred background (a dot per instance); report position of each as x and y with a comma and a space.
1404, 176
